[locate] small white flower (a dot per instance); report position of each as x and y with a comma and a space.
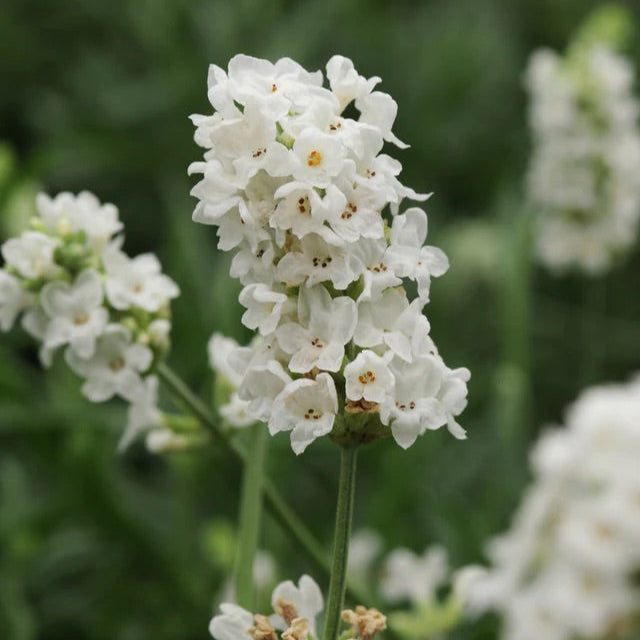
320, 157
260, 386
358, 214
453, 397
143, 413
306, 598
380, 109
77, 316
303, 210
32, 255
408, 257
264, 307
307, 408
249, 143
13, 300
392, 321
377, 275
368, 377
346, 82
237, 412
219, 349
232, 624
416, 578
67, 212
317, 261
364, 547
136, 281
321, 344
158, 333
114, 368
255, 265
413, 406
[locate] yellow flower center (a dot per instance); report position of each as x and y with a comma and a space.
314, 158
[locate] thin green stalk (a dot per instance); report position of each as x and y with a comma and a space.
250, 516
344, 518
274, 502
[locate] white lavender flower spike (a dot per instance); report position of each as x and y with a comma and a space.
297, 190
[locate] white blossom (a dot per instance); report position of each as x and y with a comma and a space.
566, 567
368, 377
136, 281
297, 190
32, 255
412, 406
77, 315
143, 413
307, 408
13, 300
67, 213
407, 576
406, 255
264, 307
321, 344
232, 624
306, 597
583, 179
114, 368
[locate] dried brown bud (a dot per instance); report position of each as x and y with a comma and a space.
361, 406
298, 630
263, 630
286, 609
365, 622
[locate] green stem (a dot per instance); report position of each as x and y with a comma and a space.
344, 517
274, 502
249, 521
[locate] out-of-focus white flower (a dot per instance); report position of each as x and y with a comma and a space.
114, 368
293, 605
584, 174
13, 300
136, 282
143, 413
565, 568
67, 213
76, 289
301, 601
297, 189
407, 576
31, 255
77, 315
233, 623
364, 547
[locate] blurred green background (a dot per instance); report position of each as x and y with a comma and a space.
96, 95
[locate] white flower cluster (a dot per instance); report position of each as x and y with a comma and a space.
74, 288
408, 576
297, 190
295, 607
584, 176
566, 568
